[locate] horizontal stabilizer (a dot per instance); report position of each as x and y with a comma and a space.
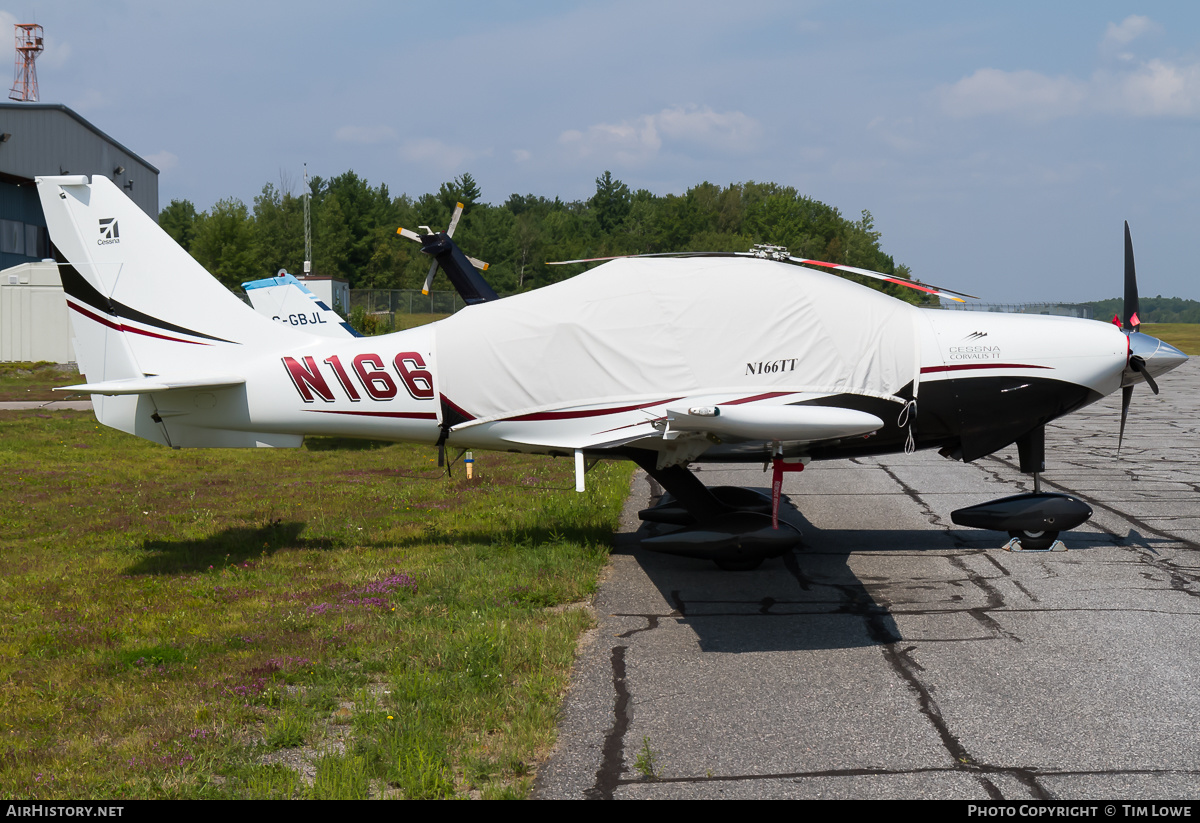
155, 383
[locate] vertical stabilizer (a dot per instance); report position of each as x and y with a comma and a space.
125, 274
286, 300
139, 304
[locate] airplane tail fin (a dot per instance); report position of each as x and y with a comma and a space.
285, 299
139, 304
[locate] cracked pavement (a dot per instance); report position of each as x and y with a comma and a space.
896, 655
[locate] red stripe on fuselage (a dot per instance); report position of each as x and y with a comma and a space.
121, 327
405, 415
575, 415
962, 366
755, 398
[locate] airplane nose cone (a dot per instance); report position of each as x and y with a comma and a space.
1158, 356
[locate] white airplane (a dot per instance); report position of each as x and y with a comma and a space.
286, 300
662, 361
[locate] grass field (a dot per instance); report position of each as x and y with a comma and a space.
1183, 336
334, 621
34, 381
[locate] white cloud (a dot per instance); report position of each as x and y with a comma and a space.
725, 130
163, 160
1152, 89
1146, 88
1155, 89
1119, 35
429, 151
365, 134
635, 141
1024, 93
521, 155
629, 142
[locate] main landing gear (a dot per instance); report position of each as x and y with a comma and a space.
729, 525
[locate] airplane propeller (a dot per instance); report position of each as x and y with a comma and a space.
1129, 311
1144, 350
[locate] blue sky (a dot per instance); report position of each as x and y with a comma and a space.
998, 146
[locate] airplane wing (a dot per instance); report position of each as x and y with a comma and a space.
673, 423
797, 424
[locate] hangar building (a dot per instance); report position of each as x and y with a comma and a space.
42, 139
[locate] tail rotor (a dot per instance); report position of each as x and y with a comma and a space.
462, 270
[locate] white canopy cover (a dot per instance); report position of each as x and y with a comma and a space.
653, 329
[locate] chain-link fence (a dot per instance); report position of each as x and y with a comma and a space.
405, 301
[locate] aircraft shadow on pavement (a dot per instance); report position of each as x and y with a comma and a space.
811, 598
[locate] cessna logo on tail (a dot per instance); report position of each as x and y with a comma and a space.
108, 231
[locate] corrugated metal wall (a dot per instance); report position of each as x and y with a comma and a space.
33, 315
46, 139
52, 139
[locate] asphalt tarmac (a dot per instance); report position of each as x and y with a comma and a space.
896, 655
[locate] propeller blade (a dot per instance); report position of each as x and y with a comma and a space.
479, 264
429, 277
1129, 312
1126, 395
1139, 365
411, 235
458, 210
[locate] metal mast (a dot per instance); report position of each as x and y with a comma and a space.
307, 227
29, 46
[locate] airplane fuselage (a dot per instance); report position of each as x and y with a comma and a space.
678, 357
984, 379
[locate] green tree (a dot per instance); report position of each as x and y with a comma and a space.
467, 189
179, 220
224, 243
354, 231
278, 230
333, 242
611, 202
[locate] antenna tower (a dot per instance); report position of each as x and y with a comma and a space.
307, 230
29, 46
